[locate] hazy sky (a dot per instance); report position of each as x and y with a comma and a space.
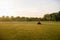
30, 8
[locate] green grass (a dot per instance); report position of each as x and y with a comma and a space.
29, 31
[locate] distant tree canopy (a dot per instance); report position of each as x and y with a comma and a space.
47, 17
52, 17
18, 18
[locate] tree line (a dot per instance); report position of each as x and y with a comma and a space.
52, 17
47, 17
18, 18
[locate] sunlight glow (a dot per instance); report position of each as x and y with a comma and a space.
30, 8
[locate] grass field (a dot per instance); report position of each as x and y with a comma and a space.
29, 31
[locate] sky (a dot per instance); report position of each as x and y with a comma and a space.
28, 8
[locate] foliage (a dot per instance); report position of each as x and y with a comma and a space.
47, 17
18, 18
52, 17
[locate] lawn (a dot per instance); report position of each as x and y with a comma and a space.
29, 31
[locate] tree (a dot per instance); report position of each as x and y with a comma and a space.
47, 17
17, 18
3, 18
52, 17
12, 18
